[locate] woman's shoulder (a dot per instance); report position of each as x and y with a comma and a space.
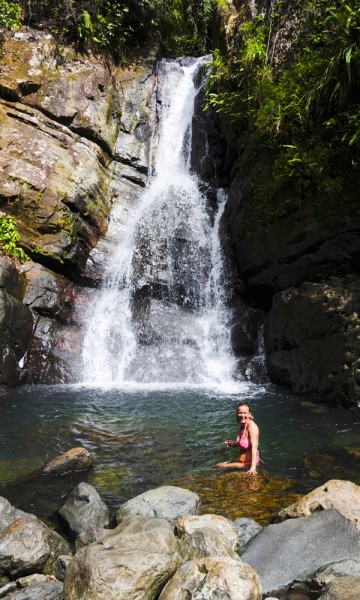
252, 426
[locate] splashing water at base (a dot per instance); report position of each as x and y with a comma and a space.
161, 315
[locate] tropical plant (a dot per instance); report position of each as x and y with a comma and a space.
10, 238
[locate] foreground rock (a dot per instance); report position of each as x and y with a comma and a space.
166, 502
344, 496
343, 588
206, 535
296, 548
215, 577
134, 561
84, 510
29, 546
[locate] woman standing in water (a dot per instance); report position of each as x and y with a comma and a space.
247, 440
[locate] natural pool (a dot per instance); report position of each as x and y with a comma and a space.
143, 437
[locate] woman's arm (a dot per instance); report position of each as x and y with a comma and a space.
254, 441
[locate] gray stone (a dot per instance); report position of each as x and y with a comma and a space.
246, 529
336, 569
297, 548
47, 590
61, 563
166, 502
84, 510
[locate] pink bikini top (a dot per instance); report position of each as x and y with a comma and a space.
242, 440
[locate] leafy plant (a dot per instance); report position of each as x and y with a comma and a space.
10, 238
10, 15
303, 113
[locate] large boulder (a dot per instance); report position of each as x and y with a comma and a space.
134, 561
297, 548
344, 496
166, 502
206, 535
219, 577
46, 590
29, 546
16, 324
312, 342
84, 510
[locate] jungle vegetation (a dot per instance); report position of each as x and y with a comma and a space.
298, 108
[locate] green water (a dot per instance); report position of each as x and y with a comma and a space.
141, 438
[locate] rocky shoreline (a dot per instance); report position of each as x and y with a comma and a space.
161, 546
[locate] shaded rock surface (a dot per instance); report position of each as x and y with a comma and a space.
296, 548
84, 509
312, 340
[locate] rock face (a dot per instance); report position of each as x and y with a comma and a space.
317, 241
312, 340
84, 509
75, 140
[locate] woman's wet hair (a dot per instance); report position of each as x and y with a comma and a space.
243, 404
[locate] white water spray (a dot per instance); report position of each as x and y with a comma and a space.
160, 317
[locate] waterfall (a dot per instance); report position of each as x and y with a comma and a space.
161, 316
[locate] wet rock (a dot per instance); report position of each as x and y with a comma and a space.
297, 548
47, 590
76, 459
8, 513
84, 510
206, 535
11, 279
166, 502
341, 588
334, 463
29, 546
312, 342
344, 496
219, 577
134, 561
16, 324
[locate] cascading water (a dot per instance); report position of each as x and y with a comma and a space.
161, 316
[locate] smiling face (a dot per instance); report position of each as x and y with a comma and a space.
243, 413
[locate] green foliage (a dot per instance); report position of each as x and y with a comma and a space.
303, 114
116, 26
9, 239
10, 15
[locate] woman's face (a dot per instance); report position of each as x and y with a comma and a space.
243, 413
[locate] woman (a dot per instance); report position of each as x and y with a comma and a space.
247, 440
